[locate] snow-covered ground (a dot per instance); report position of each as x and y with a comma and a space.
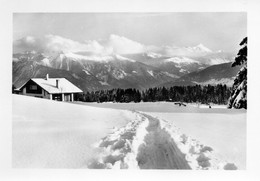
63, 135
55, 134
222, 129
225, 133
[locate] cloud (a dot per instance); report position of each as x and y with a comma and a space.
54, 43
113, 45
122, 45
26, 43
57, 43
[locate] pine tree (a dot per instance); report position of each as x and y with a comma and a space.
238, 98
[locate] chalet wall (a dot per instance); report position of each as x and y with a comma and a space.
32, 89
43, 94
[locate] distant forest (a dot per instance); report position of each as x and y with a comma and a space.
218, 94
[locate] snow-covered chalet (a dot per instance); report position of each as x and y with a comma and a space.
59, 89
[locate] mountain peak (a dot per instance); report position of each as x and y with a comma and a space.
153, 55
202, 48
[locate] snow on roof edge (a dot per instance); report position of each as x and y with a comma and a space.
51, 88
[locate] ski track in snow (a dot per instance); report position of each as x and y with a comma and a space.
150, 143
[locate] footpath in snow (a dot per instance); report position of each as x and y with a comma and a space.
222, 129
50, 134
150, 143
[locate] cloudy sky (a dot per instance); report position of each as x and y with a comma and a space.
217, 31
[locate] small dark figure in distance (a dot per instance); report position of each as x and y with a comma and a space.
180, 104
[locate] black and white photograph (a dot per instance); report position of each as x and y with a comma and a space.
129, 90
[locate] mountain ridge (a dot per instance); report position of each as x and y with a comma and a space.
92, 74
94, 65
215, 74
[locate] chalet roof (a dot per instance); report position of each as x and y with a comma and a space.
49, 85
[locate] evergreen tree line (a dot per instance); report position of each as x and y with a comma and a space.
218, 94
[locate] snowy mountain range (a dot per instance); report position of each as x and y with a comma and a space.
213, 75
88, 73
112, 63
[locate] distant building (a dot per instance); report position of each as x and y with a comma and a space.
59, 89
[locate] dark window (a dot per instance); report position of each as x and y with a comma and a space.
56, 97
33, 87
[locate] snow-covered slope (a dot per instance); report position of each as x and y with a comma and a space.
215, 74
50, 134
55, 134
79, 57
201, 48
181, 60
174, 65
222, 129
192, 51
215, 58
